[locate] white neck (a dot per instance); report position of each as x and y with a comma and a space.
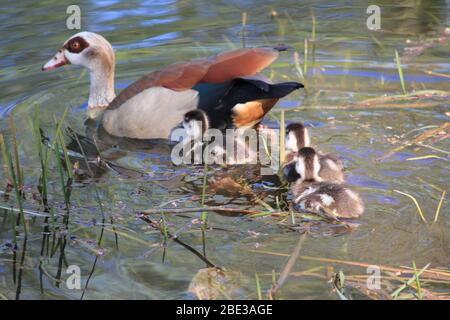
102, 86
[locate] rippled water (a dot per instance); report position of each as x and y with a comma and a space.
351, 63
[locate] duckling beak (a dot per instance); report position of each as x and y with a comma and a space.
57, 61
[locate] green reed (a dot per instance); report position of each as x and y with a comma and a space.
414, 279
417, 280
400, 72
258, 287
282, 137
15, 172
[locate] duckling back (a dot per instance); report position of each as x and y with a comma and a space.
334, 199
331, 168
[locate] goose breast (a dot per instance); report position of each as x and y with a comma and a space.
154, 112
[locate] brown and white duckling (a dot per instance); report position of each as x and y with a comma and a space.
196, 123
197, 126
310, 192
297, 137
228, 87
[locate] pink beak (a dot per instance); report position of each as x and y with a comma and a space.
57, 61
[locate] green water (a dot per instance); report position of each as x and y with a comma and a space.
347, 63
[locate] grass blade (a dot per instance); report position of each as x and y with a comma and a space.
416, 203
396, 293
400, 71
282, 137
258, 287
418, 288
438, 209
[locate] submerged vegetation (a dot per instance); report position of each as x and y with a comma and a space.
124, 214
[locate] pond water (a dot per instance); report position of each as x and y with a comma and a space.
347, 64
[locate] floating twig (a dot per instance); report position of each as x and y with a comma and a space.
418, 140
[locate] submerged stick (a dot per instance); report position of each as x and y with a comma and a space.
430, 273
209, 209
288, 267
407, 97
157, 226
357, 106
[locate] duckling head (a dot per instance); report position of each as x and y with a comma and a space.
196, 123
307, 165
297, 137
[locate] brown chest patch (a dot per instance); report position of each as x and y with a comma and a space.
252, 112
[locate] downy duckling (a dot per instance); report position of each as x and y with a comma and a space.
311, 192
297, 137
197, 123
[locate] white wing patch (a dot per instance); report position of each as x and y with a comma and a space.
327, 200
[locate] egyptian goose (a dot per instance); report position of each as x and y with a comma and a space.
312, 193
226, 86
297, 137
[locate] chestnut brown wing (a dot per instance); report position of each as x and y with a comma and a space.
216, 69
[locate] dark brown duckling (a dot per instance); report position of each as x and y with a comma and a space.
311, 192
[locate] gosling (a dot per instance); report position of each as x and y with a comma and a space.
297, 137
312, 193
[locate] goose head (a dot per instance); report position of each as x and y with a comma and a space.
297, 137
95, 53
308, 165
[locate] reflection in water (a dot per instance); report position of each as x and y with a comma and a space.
412, 17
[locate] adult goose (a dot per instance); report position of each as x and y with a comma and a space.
226, 86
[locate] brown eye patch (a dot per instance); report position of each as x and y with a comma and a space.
76, 45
